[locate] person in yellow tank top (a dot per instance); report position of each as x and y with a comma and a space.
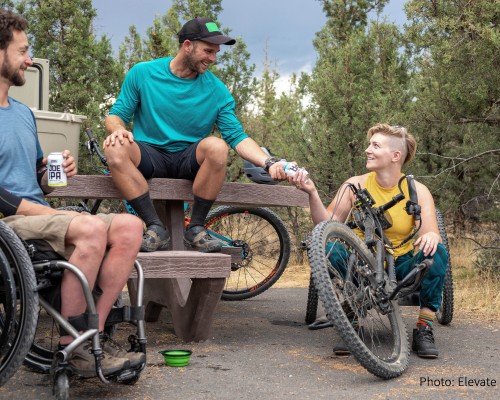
389, 149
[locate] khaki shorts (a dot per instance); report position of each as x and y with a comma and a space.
51, 227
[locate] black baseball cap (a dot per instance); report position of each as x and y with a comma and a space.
203, 29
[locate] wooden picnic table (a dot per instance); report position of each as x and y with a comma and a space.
188, 283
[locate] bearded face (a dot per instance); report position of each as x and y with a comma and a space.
201, 56
15, 59
11, 72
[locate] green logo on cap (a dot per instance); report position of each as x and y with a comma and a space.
212, 27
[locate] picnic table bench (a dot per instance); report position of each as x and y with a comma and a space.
188, 283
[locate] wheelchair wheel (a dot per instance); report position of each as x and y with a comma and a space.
18, 303
312, 302
265, 244
380, 343
41, 353
445, 313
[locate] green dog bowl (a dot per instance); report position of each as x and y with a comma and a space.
176, 357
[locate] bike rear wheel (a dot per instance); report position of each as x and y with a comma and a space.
381, 345
445, 313
265, 248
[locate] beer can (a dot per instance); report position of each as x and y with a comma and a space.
57, 176
292, 169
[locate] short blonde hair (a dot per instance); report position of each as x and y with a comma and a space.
409, 144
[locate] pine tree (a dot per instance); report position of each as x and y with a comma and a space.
456, 52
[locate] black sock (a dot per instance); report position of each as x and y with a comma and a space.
143, 206
201, 207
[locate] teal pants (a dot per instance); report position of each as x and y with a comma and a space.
431, 288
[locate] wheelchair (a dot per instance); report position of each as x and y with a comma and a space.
360, 284
29, 285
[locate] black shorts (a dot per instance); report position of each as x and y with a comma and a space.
158, 163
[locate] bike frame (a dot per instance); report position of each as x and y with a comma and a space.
373, 221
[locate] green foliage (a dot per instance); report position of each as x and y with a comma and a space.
7, 5
455, 48
487, 263
131, 50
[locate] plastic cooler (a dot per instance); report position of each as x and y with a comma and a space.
59, 131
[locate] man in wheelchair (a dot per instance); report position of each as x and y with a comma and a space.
389, 148
103, 247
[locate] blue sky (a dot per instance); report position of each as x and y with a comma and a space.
288, 27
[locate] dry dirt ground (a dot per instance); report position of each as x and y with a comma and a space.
261, 348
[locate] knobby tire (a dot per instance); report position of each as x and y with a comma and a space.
445, 313
382, 346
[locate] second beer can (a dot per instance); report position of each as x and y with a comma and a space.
57, 176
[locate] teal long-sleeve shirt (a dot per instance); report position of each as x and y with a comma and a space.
171, 112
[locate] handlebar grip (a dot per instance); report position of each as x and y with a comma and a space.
396, 199
412, 207
412, 189
89, 133
95, 146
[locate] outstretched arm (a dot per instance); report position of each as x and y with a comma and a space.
249, 150
337, 210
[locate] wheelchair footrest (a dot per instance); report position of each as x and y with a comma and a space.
125, 314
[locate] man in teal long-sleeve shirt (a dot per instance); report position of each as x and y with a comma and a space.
174, 103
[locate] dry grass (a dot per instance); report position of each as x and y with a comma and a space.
475, 295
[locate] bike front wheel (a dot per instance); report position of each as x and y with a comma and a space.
265, 248
374, 331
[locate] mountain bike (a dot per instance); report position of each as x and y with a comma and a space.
444, 314
356, 280
259, 232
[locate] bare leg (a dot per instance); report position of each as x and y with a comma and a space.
124, 240
211, 154
88, 235
123, 160
427, 311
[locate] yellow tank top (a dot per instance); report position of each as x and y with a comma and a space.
402, 223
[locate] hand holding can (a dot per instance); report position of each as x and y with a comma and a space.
292, 169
